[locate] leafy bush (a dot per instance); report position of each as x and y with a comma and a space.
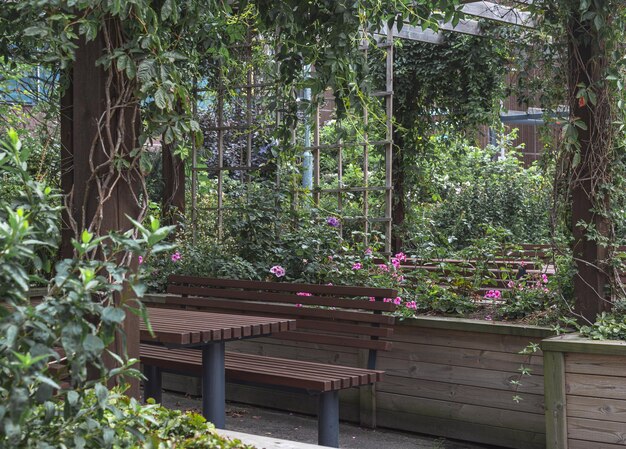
74, 325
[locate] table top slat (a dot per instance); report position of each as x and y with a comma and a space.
187, 327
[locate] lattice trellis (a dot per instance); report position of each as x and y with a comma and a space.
241, 129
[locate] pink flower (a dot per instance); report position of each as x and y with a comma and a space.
176, 257
488, 318
330, 283
383, 267
387, 300
544, 278
298, 305
395, 262
493, 294
372, 299
304, 294
400, 256
368, 252
140, 259
400, 278
511, 284
397, 301
357, 266
546, 290
330, 258
411, 305
277, 271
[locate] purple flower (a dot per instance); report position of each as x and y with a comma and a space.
277, 271
333, 222
140, 259
176, 257
357, 266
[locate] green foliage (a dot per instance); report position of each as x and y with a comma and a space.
74, 324
472, 191
607, 326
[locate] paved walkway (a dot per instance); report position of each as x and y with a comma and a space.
290, 426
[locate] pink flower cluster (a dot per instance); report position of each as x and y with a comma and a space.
277, 271
357, 266
411, 305
493, 294
175, 257
304, 294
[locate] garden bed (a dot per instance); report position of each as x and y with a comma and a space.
585, 393
444, 376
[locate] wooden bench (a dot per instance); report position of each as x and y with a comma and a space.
336, 316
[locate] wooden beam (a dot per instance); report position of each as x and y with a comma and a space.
498, 13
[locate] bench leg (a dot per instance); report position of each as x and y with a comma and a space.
328, 419
152, 384
214, 384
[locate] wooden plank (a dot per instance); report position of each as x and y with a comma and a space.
575, 343
464, 394
462, 339
581, 444
555, 400
492, 327
226, 306
265, 296
286, 286
596, 431
457, 412
478, 433
601, 409
296, 350
595, 386
607, 365
473, 358
497, 380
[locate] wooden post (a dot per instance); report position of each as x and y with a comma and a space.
83, 106
586, 65
555, 400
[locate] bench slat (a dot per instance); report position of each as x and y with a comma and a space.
264, 370
278, 309
280, 297
342, 290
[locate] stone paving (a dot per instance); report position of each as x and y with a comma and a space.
295, 427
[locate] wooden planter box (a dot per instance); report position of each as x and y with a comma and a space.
585, 393
452, 377
444, 376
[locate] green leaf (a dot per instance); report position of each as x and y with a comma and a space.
113, 315
160, 99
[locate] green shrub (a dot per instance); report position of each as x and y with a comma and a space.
80, 316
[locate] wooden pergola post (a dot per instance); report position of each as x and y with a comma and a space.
84, 147
586, 64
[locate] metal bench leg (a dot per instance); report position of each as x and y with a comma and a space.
152, 384
328, 419
214, 384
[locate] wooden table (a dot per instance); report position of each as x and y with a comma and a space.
180, 328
